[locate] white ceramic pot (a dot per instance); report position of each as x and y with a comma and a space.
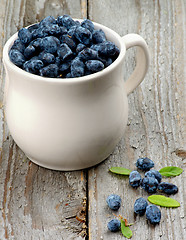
70, 124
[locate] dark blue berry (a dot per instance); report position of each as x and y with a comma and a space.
77, 68
50, 44
24, 35
64, 52
33, 66
114, 225
80, 47
58, 61
114, 201
98, 36
154, 173
94, 65
40, 32
46, 58
88, 24
144, 164
149, 184
29, 51
68, 75
83, 35
69, 41
49, 71
140, 206
65, 66
54, 30
87, 54
33, 27
66, 21
16, 57
167, 188
47, 21
37, 43
153, 214
106, 61
71, 32
18, 45
107, 48
135, 179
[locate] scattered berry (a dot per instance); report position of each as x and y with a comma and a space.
135, 179
114, 201
154, 173
114, 225
153, 214
149, 184
167, 188
144, 164
140, 206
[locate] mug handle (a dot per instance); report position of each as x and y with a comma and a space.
143, 60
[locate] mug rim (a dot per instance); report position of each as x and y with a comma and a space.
105, 71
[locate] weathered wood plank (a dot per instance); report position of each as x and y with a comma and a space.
36, 203
156, 125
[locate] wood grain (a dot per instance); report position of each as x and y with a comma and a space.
36, 203
156, 124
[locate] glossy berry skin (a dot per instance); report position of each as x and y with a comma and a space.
17, 57
94, 65
154, 173
134, 179
88, 24
114, 201
98, 36
33, 66
167, 188
66, 21
18, 45
29, 51
46, 58
83, 35
144, 164
47, 21
49, 71
114, 225
107, 48
80, 47
140, 206
24, 35
77, 68
153, 214
69, 41
149, 184
50, 44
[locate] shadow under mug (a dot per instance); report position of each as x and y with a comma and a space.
75, 123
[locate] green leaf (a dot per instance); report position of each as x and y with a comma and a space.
120, 170
163, 201
170, 171
126, 231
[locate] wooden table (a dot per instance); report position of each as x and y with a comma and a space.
37, 203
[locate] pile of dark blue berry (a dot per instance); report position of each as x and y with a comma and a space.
152, 180
150, 183
62, 48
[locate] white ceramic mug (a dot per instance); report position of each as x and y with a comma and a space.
75, 123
